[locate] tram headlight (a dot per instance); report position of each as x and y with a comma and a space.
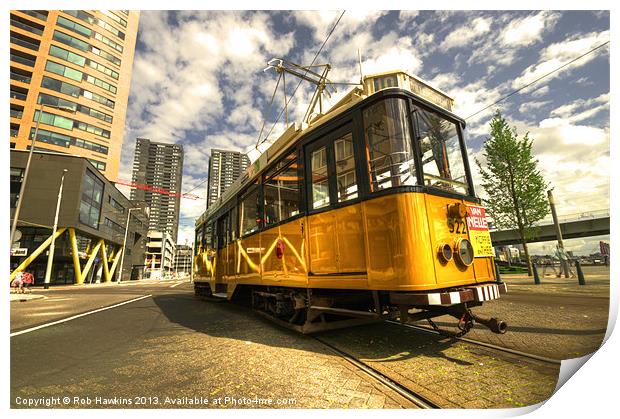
444, 252
464, 252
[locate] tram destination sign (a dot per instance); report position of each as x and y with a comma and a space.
479, 234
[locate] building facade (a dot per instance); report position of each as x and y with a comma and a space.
159, 257
91, 223
70, 72
225, 167
158, 167
183, 260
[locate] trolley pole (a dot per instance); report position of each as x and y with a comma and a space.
191, 263
120, 269
558, 233
50, 258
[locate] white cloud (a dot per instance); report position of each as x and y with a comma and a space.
561, 53
526, 31
466, 34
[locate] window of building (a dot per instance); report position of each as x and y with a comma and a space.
54, 120
90, 204
388, 139
99, 165
60, 86
67, 55
49, 137
71, 41
249, 213
56, 101
17, 176
117, 205
73, 26
63, 71
281, 195
320, 181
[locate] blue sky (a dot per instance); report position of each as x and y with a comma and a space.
198, 80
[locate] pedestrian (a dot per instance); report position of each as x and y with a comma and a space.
17, 283
27, 281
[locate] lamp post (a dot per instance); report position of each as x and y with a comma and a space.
50, 258
22, 189
120, 268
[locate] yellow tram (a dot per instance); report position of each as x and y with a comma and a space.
365, 213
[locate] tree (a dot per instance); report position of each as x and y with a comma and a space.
513, 183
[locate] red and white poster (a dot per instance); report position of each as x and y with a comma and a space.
478, 228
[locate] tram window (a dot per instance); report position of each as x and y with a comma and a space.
249, 213
320, 183
208, 237
233, 228
442, 160
391, 157
282, 195
345, 168
222, 227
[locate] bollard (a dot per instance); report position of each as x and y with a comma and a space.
498, 277
536, 277
580, 277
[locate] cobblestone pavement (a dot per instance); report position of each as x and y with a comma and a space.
557, 319
171, 348
449, 373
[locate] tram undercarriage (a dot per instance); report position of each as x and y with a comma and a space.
315, 310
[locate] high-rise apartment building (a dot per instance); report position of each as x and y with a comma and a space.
159, 166
224, 168
74, 68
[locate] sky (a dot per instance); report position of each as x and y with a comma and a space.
199, 81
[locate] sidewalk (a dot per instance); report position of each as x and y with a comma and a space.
75, 287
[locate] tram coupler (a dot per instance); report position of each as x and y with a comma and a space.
495, 325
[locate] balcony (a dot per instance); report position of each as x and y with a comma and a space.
18, 76
23, 58
18, 93
26, 25
25, 41
39, 14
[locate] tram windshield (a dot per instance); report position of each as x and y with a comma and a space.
440, 150
390, 151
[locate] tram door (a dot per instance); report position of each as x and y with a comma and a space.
335, 229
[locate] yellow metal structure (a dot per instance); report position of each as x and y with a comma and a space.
80, 273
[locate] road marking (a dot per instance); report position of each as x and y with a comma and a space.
32, 329
175, 285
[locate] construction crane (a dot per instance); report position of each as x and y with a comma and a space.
154, 189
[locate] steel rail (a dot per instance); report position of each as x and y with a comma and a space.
403, 391
477, 342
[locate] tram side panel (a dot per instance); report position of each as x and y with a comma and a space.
283, 255
398, 245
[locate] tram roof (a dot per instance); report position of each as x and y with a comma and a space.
371, 84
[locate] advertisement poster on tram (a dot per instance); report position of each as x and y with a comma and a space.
479, 231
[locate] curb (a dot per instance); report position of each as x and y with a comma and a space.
26, 297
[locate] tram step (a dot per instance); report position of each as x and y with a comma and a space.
220, 295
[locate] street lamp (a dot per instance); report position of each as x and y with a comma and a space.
50, 258
22, 189
120, 268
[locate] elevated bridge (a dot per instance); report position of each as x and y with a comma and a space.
595, 223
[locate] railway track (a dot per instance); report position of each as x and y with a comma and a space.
403, 391
479, 343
